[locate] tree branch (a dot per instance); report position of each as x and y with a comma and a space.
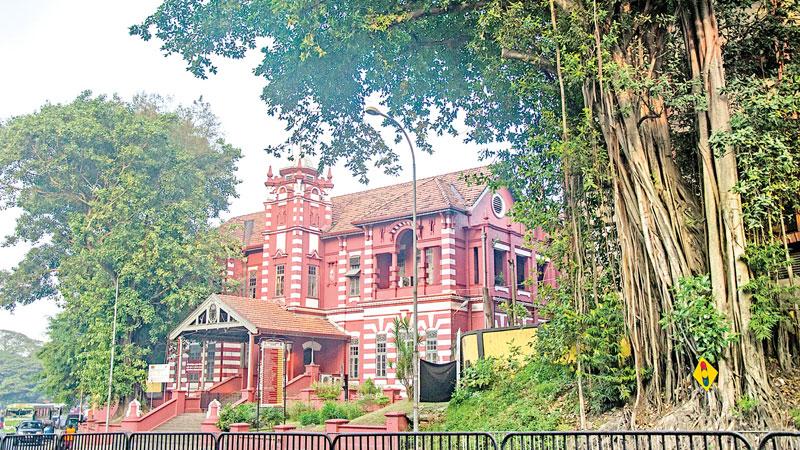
421, 13
527, 57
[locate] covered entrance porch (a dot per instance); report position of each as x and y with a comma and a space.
237, 349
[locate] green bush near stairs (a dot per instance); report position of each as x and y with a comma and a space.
246, 413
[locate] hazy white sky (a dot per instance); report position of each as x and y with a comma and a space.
52, 50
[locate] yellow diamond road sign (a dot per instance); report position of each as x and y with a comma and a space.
705, 374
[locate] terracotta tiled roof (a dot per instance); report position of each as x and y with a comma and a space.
435, 193
238, 227
447, 191
270, 317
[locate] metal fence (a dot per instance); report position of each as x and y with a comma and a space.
566, 440
414, 441
273, 441
780, 441
626, 440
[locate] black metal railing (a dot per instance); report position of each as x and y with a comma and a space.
780, 441
546, 440
172, 441
93, 441
30, 442
273, 441
626, 440
414, 441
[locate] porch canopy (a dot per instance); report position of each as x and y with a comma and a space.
234, 319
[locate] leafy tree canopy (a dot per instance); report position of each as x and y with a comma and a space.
20, 369
324, 60
114, 192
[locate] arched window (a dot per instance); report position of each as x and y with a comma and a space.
405, 252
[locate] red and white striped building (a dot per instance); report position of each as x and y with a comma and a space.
323, 277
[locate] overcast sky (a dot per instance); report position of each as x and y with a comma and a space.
52, 50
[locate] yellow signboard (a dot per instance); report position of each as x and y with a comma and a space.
705, 374
151, 388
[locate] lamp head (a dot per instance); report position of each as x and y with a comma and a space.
372, 111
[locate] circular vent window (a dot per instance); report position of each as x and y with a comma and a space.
498, 205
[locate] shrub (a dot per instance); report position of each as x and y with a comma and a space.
369, 389
328, 391
795, 413
371, 395
299, 408
697, 322
309, 418
332, 410
270, 417
246, 413
480, 375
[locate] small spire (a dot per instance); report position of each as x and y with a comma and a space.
330, 174
269, 172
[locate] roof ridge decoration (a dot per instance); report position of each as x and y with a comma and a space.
446, 199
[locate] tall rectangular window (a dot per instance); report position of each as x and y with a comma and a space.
331, 273
313, 282
252, 282
279, 277
354, 362
354, 276
431, 351
430, 265
521, 267
476, 268
211, 351
540, 269
500, 267
380, 355
195, 351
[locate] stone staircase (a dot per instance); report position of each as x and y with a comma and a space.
186, 422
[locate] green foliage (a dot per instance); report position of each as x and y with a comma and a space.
324, 62
244, 413
795, 415
309, 418
403, 343
516, 310
347, 410
772, 303
299, 408
328, 391
698, 326
247, 413
527, 400
368, 388
307, 415
20, 369
479, 376
746, 405
112, 190
370, 394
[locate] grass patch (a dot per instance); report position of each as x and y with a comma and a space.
535, 397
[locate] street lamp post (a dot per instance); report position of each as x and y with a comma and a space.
373, 111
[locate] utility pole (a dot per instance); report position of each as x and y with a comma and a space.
113, 347
373, 111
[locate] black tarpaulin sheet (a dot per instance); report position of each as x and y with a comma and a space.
436, 381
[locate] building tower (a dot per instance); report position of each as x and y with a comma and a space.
298, 209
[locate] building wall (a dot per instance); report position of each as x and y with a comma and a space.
298, 210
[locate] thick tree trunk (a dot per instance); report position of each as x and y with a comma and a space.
743, 368
655, 214
666, 232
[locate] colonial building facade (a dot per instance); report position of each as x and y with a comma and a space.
322, 279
